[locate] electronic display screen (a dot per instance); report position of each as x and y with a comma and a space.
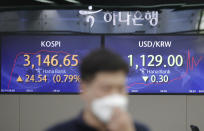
162, 64
43, 63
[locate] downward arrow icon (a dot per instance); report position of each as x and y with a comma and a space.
145, 78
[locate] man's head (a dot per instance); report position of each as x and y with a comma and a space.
103, 73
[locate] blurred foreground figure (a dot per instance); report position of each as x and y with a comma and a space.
103, 85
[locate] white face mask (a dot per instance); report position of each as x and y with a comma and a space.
103, 107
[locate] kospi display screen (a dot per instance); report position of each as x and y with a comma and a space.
43, 63
162, 64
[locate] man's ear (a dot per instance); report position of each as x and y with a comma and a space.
83, 90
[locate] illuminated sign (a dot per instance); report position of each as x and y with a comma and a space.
162, 64
46, 63
49, 63
134, 18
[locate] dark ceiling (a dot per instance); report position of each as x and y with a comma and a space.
111, 4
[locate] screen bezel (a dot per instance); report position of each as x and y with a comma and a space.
102, 45
40, 34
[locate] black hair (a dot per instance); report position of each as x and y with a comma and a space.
101, 60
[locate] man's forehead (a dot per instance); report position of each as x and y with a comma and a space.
111, 73
118, 76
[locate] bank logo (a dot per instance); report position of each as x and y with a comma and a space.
135, 18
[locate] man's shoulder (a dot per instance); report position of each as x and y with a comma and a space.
74, 125
141, 127
64, 126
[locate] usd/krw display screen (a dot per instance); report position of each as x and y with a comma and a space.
162, 64
43, 63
